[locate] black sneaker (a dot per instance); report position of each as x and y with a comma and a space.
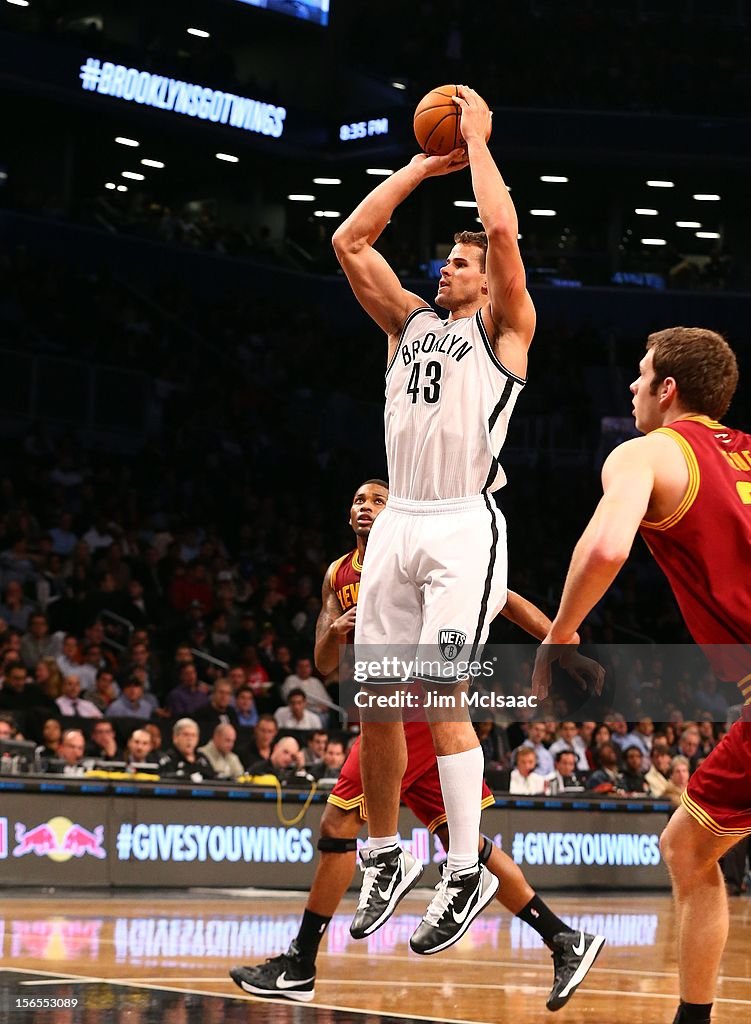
573, 955
459, 898
388, 875
286, 976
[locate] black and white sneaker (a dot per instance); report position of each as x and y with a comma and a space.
388, 875
573, 955
286, 976
459, 898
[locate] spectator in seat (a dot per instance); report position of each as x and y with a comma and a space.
218, 711
220, 752
488, 737
103, 743
71, 753
333, 760
92, 663
303, 679
657, 776
49, 677
285, 760
105, 690
182, 760
632, 777
605, 778
132, 703
189, 695
536, 732
52, 734
315, 748
38, 643
296, 714
70, 702
156, 737
568, 738
264, 734
602, 734
245, 707
18, 694
525, 781
69, 661
15, 609
689, 744
138, 749
641, 736
564, 779
8, 730
680, 770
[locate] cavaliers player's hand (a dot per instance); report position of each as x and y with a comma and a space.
345, 623
433, 166
589, 674
548, 652
476, 116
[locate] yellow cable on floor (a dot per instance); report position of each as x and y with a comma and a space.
272, 780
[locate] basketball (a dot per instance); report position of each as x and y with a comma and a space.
436, 121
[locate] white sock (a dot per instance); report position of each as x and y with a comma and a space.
375, 843
461, 784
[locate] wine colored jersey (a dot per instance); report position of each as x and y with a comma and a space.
704, 547
345, 582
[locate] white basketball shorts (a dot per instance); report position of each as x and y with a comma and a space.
434, 575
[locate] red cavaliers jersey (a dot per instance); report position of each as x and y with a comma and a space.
704, 547
345, 582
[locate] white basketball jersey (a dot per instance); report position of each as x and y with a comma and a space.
448, 404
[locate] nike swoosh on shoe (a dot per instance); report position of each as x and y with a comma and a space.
579, 948
282, 983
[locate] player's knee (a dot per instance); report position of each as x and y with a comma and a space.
685, 856
338, 831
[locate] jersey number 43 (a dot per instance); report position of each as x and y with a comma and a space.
430, 385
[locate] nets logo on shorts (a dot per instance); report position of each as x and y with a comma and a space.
451, 642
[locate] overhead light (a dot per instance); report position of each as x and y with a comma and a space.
121, 141
122, 188
543, 213
469, 203
327, 213
301, 197
707, 234
3, 175
707, 197
134, 175
19, 3
687, 224
199, 32
153, 163
657, 183
653, 241
644, 211
327, 181
110, 185
399, 85
228, 158
554, 179
381, 172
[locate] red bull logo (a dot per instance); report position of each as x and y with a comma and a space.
59, 839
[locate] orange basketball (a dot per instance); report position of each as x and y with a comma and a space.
436, 121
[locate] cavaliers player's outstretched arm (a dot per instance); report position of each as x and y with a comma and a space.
510, 317
332, 627
376, 286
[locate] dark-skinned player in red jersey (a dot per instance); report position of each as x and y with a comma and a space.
686, 486
292, 974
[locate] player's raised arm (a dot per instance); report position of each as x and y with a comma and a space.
376, 286
332, 627
511, 309
628, 479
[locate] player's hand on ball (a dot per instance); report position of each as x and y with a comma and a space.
432, 166
477, 118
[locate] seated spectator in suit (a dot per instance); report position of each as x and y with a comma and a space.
296, 714
315, 747
284, 761
564, 779
606, 778
182, 760
138, 749
218, 711
333, 758
524, 779
632, 778
264, 734
657, 776
103, 744
105, 690
18, 694
132, 702
220, 752
71, 755
190, 694
70, 702
245, 707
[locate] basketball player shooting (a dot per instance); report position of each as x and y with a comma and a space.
437, 562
